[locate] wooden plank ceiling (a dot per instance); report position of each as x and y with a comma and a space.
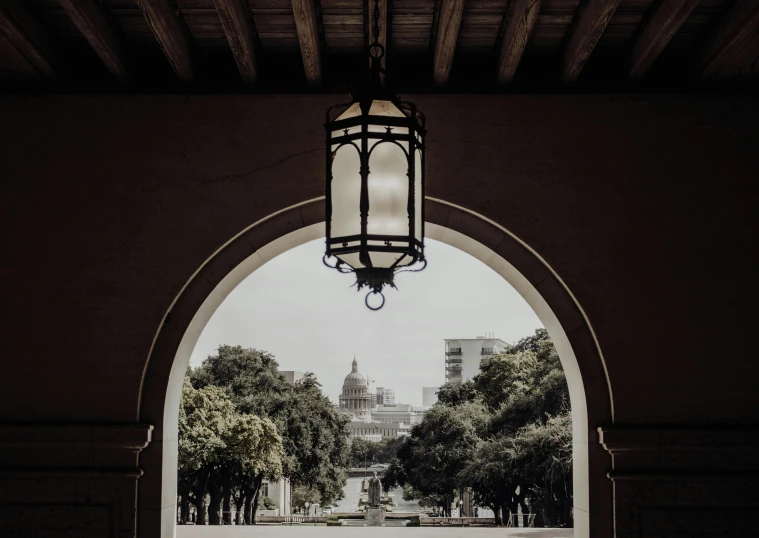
431, 45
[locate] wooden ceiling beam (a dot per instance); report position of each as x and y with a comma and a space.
306, 25
30, 41
587, 30
382, 19
91, 23
522, 18
733, 43
449, 22
657, 33
171, 35
235, 19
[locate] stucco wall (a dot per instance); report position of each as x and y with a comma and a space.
644, 206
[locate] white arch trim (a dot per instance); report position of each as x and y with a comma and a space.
433, 231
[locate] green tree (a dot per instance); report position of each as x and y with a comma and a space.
267, 503
254, 453
521, 455
302, 495
314, 435
543, 455
220, 451
203, 418
438, 449
361, 452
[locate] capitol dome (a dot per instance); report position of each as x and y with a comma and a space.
355, 379
355, 399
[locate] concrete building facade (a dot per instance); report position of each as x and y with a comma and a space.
377, 431
385, 396
399, 412
292, 376
465, 356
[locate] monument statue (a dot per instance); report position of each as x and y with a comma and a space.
375, 491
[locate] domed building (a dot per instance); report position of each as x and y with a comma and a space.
355, 398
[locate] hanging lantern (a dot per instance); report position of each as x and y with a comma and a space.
375, 184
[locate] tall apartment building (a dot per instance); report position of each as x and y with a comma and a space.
465, 356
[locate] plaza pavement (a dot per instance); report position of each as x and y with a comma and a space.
285, 531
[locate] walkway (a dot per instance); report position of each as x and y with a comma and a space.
284, 531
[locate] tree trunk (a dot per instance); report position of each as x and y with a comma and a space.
251, 499
214, 506
257, 485
200, 510
200, 516
567, 511
239, 503
226, 507
540, 520
247, 503
184, 505
525, 514
506, 511
199, 492
496, 515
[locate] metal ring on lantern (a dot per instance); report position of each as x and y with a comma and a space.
366, 300
380, 53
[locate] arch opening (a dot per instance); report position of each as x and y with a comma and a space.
526, 272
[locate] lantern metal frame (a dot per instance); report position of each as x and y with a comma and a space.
367, 90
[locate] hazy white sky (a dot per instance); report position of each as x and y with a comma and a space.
311, 319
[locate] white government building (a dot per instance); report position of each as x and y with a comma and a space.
385, 419
465, 356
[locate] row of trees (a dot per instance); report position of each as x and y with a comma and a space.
506, 434
365, 452
241, 422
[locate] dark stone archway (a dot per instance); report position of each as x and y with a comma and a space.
544, 290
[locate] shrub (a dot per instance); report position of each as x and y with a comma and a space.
413, 522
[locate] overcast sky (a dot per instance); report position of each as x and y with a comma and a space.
311, 319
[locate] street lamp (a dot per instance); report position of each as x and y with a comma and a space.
375, 183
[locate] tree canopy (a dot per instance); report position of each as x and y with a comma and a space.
506, 434
312, 435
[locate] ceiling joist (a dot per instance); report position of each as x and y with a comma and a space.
91, 23
306, 25
657, 33
235, 19
734, 43
171, 35
589, 27
522, 18
28, 39
449, 22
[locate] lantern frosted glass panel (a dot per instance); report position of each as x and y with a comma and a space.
385, 108
346, 194
418, 175
388, 198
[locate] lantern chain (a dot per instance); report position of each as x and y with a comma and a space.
376, 22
